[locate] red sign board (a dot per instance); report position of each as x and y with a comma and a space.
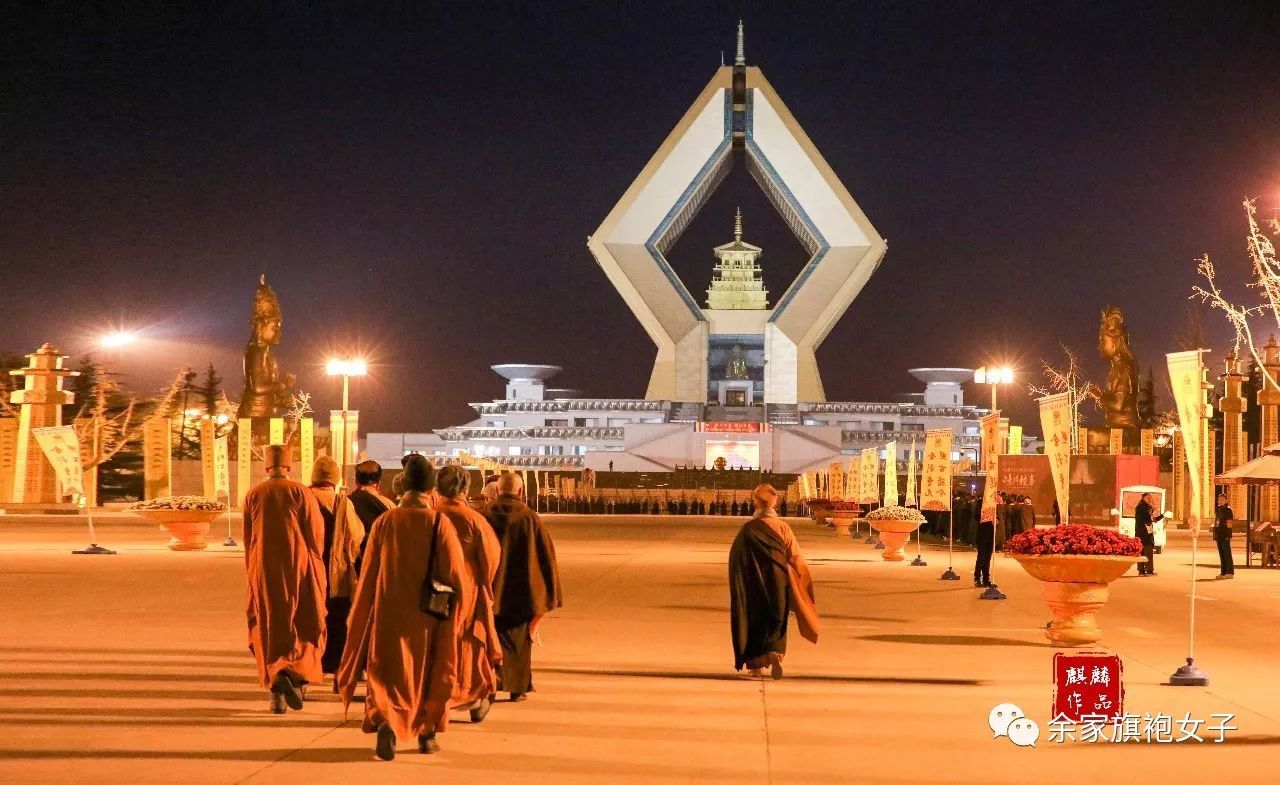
1087, 687
731, 427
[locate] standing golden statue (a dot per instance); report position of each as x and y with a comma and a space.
266, 392
736, 367
1120, 396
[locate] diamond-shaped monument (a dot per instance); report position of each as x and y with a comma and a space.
738, 116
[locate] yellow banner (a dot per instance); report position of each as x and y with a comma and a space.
869, 491
244, 458
912, 497
1115, 445
1015, 439
1055, 422
836, 472
1149, 443
307, 448
1186, 375
157, 457
62, 448
891, 473
990, 464
221, 469
935, 490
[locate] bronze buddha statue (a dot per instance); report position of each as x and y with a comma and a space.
266, 391
1120, 395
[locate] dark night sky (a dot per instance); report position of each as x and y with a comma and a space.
421, 184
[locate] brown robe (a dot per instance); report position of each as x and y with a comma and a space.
768, 581
284, 565
527, 586
478, 646
409, 659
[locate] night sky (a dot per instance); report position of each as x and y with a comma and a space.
420, 185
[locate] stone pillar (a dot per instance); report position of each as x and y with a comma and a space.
1115, 445
208, 435
1179, 477
244, 459
306, 448
1208, 500
1232, 404
276, 432
157, 457
342, 442
1269, 405
1148, 442
41, 399
8, 448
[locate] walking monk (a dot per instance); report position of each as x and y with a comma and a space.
283, 556
768, 581
409, 658
478, 647
528, 583
343, 533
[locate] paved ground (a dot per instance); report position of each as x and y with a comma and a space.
132, 668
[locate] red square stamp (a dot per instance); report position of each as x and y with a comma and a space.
1088, 687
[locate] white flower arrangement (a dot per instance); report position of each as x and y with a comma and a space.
896, 512
165, 503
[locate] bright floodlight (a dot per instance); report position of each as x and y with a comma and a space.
1005, 376
980, 375
117, 339
339, 367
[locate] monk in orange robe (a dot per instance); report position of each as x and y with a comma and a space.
478, 646
409, 658
768, 581
284, 562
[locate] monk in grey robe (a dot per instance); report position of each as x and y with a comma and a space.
285, 571
478, 647
768, 581
527, 586
409, 658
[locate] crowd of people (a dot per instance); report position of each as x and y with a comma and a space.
431, 604
602, 505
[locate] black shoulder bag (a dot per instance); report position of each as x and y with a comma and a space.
436, 598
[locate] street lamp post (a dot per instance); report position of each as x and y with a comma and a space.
346, 368
993, 377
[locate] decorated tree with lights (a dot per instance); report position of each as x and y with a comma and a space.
1068, 379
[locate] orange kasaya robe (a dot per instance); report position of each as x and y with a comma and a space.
769, 581
409, 659
478, 645
284, 565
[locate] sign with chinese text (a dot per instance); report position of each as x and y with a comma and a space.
731, 427
935, 485
207, 438
990, 426
869, 493
1015, 440
244, 458
836, 472
1186, 375
157, 457
307, 447
1148, 442
62, 448
1087, 687
912, 496
1056, 417
221, 469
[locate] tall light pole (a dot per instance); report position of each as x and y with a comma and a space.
346, 368
994, 377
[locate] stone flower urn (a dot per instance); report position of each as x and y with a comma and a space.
895, 526
843, 520
185, 518
1075, 584
820, 509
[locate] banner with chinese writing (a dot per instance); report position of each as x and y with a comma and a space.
221, 469
207, 436
1056, 416
852, 479
157, 457
244, 458
990, 426
307, 447
1186, 376
1015, 440
935, 485
836, 472
891, 473
62, 448
912, 497
1148, 442
869, 492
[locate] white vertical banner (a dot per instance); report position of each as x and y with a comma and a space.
1055, 422
1186, 376
891, 473
990, 464
935, 491
62, 448
913, 497
221, 469
307, 447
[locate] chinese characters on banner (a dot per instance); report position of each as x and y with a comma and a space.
869, 492
1015, 440
221, 469
1087, 688
1186, 374
990, 462
1055, 422
62, 448
836, 473
891, 473
935, 485
244, 458
912, 496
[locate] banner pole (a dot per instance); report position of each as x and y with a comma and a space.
94, 548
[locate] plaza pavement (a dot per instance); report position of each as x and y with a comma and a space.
133, 669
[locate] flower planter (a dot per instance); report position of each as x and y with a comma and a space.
189, 529
1075, 589
843, 520
894, 533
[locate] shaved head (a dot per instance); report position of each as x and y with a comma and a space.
510, 484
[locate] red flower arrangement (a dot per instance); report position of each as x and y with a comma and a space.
1073, 539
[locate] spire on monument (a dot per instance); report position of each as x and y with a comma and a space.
740, 58
737, 225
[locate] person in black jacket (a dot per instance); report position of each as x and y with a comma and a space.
1222, 536
1144, 528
